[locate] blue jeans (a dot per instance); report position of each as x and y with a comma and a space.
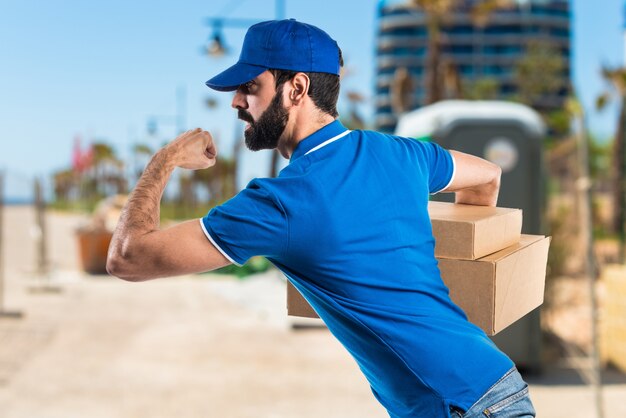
507, 398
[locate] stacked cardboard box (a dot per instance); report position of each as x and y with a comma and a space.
494, 273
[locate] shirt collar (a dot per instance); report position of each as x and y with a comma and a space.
316, 138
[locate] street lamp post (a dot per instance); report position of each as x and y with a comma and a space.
178, 119
217, 47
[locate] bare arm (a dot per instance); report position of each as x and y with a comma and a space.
139, 250
476, 181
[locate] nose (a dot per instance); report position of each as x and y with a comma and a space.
239, 100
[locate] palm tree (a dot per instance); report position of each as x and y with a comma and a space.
187, 199
616, 78
354, 119
401, 90
436, 12
64, 184
484, 88
482, 11
441, 78
108, 170
539, 73
219, 181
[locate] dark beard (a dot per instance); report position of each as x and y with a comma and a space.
265, 133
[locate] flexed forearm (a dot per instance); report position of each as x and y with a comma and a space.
135, 245
141, 214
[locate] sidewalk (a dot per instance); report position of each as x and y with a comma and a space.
196, 346
170, 348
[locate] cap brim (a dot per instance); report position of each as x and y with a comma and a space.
231, 78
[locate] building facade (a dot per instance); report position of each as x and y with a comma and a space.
472, 53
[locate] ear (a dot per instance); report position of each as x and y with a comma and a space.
299, 87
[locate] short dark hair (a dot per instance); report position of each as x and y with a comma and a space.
323, 90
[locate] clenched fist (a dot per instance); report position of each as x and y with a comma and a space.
193, 150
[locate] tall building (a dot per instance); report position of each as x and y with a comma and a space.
473, 54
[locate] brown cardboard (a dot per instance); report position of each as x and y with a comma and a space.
469, 232
494, 291
297, 304
499, 289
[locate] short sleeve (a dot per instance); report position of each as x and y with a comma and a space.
440, 166
251, 223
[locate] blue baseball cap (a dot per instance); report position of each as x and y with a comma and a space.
283, 45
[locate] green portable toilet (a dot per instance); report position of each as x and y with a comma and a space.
510, 135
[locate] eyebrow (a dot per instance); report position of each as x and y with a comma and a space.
248, 84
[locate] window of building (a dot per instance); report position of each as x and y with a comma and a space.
386, 71
460, 30
459, 49
560, 32
466, 70
503, 30
406, 31
408, 51
539, 10
506, 50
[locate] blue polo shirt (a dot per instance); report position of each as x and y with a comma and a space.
347, 222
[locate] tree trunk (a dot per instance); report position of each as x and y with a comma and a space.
585, 224
433, 88
619, 188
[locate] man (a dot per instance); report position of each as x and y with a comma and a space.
347, 223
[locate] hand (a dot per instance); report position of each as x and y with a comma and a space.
193, 150
476, 181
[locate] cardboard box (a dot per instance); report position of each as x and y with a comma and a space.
494, 291
499, 289
469, 232
297, 304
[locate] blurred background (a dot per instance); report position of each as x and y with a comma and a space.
90, 90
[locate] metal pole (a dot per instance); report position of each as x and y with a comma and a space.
42, 250
620, 186
583, 184
3, 313
181, 111
43, 270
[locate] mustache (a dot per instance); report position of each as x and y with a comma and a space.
245, 116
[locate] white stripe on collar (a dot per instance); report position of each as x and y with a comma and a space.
323, 144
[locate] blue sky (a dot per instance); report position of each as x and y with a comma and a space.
100, 70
